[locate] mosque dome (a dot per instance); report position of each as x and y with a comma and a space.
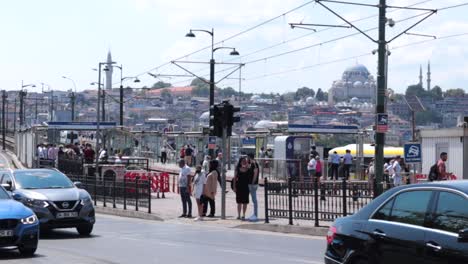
357, 84
358, 68
205, 116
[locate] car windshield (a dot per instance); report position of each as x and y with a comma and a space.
42, 180
3, 194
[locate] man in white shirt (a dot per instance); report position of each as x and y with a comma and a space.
185, 179
397, 172
311, 167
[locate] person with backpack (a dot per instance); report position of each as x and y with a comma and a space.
188, 155
438, 171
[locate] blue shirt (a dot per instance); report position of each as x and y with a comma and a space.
335, 159
348, 159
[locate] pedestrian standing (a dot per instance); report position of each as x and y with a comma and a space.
397, 181
163, 154
184, 189
194, 155
188, 155
253, 186
335, 163
311, 168
314, 152
348, 162
206, 164
209, 192
220, 169
241, 186
198, 188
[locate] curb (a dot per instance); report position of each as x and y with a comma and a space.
16, 163
287, 229
127, 213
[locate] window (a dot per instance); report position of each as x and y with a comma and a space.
30, 179
6, 179
408, 207
451, 213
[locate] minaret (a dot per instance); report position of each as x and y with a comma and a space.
109, 72
429, 76
420, 76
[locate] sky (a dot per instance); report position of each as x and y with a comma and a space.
45, 40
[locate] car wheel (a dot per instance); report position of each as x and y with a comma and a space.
27, 251
85, 230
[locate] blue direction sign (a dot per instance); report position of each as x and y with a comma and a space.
248, 141
211, 142
413, 152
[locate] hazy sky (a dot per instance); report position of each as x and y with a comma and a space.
44, 40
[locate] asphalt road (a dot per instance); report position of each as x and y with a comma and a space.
124, 240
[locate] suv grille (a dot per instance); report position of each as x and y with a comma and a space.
8, 223
65, 205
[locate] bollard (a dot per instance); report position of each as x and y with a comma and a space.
265, 187
95, 192
290, 206
113, 192
316, 201
136, 192
345, 209
125, 192
149, 194
104, 191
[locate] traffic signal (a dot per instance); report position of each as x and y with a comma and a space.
217, 120
231, 118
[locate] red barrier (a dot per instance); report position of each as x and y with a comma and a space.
164, 182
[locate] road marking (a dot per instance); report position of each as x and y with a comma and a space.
168, 244
234, 251
129, 238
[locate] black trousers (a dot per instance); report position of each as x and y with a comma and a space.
334, 171
205, 201
186, 201
163, 157
347, 168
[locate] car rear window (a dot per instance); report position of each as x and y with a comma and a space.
451, 213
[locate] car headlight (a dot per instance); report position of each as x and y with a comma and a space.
35, 203
86, 201
29, 220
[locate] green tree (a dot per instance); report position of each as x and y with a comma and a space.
227, 92
304, 92
165, 93
200, 82
288, 97
427, 117
320, 95
201, 91
458, 92
417, 90
161, 84
437, 92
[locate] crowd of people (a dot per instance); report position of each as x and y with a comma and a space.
204, 186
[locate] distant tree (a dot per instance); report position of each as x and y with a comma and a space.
417, 90
458, 92
201, 91
200, 83
161, 84
304, 92
437, 92
165, 93
427, 117
228, 92
288, 97
320, 95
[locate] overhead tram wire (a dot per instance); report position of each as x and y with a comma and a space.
351, 57
308, 34
231, 37
340, 38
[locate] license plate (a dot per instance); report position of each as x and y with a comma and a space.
67, 214
6, 233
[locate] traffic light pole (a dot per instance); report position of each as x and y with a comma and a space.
223, 175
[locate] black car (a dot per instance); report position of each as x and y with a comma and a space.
422, 223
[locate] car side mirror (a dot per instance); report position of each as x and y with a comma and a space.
78, 185
16, 196
463, 235
7, 186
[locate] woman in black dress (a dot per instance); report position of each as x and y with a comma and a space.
241, 186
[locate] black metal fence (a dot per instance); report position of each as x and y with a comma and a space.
129, 194
70, 166
316, 201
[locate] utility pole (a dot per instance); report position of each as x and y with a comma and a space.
121, 104
36, 107
21, 113
52, 105
381, 89
4, 97
103, 105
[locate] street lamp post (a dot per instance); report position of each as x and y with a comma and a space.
190, 34
121, 93
72, 98
22, 94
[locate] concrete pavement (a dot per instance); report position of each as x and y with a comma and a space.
124, 240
